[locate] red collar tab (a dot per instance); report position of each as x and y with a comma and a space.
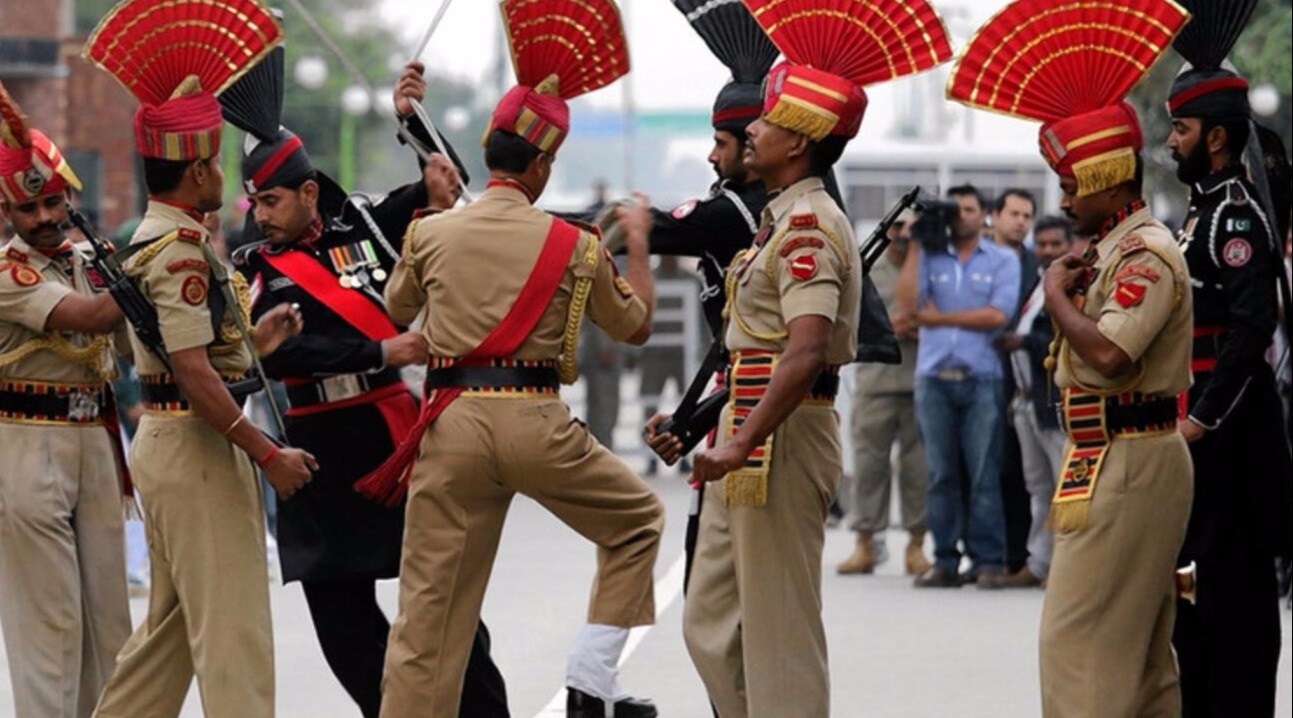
188, 209
1123, 214
515, 184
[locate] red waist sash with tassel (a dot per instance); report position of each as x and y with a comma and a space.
389, 482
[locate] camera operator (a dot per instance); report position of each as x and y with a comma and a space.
961, 291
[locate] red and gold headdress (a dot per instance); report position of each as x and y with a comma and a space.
834, 48
175, 56
561, 49
1070, 64
31, 165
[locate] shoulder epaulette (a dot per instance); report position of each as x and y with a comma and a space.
803, 221
188, 234
242, 255
15, 255
1131, 244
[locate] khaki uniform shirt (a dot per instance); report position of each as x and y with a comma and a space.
1141, 298
31, 286
177, 280
804, 262
467, 266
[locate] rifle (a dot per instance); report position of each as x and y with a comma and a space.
136, 308
695, 418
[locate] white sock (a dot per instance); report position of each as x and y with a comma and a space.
594, 662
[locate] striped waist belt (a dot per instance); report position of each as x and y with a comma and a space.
1092, 423
159, 392
503, 378
749, 376
751, 371
53, 402
1091, 417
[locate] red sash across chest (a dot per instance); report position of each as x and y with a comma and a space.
351, 305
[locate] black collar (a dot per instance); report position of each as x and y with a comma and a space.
1217, 180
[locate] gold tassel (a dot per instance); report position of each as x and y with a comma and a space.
1071, 517
803, 120
746, 488
1105, 172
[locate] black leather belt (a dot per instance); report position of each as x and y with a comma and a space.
165, 395
827, 386
1145, 414
490, 377
339, 388
74, 405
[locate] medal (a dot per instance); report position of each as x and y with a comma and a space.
379, 274
347, 281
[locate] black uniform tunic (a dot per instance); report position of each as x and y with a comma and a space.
327, 530
1228, 645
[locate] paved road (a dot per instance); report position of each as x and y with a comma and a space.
896, 652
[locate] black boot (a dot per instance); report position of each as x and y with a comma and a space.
582, 705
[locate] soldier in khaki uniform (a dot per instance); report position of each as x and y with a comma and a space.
62, 569
505, 287
1121, 359
752, 621
208, 611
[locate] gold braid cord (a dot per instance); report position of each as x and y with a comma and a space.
90, 355
568, 366
230, 335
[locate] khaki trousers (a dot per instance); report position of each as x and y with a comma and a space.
1106, 638
208, 612
474, 459
880, 421
63, 601
752, 620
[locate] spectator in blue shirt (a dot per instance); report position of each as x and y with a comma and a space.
962, 295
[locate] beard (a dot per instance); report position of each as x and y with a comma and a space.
1195, 167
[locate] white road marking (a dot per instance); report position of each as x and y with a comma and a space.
667, 591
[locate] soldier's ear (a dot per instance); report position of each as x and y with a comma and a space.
310, 194
1217, 139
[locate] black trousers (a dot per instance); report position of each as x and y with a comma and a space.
353, 632
1228, 645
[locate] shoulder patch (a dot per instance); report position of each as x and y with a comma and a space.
803, 221
189, 235
683, 210
805, 242
24, 275
1237, 253
188, 265
803, 267
194, 291
1131, 271
1129, 293
1131, 245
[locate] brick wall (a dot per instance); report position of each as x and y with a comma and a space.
83, 109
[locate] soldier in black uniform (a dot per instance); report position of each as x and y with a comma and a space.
1228, 643
331, 255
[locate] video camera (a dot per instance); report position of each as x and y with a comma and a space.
935, 228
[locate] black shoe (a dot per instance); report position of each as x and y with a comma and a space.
582, 705
938, 578
991, 579
971, 577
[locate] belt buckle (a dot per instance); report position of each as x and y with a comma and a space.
83, 405
341, 388
953, 374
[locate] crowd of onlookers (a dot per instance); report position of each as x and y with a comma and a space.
967, 426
